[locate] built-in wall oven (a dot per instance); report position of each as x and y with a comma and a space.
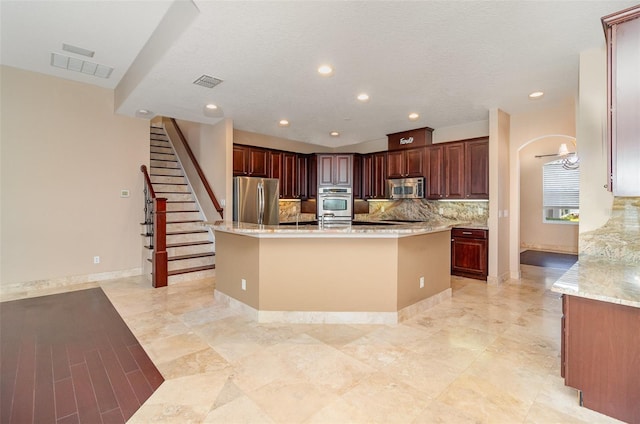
335, 205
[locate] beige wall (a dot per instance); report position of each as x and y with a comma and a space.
534, 233
536, 133
212, 145
65, 158
595, 201
270, 142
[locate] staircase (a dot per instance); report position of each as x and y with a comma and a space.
190, 245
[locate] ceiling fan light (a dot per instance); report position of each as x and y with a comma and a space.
563, 150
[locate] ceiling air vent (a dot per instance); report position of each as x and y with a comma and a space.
207, 81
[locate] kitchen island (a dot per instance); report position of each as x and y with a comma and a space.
601, 335
307, 274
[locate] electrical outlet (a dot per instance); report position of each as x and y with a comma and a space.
441, 211
382, 209
479, 211
96, 259
223, 202
421, 282
243, 282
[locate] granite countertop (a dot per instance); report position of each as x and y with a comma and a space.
602, 279
313, 231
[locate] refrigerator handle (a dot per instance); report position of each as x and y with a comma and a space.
260, 202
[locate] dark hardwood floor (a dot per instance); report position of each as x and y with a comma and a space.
547, 259
70, 358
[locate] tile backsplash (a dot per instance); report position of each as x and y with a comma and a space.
406, 209
619, 238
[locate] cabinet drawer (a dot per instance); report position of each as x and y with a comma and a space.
469, 232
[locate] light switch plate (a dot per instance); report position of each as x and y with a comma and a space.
124, 193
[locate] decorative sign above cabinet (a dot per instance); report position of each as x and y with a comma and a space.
419, 137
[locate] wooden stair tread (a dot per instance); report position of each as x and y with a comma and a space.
182, 211
175, 233
185, 222
181, 201
184, 244
194, 256
193, 269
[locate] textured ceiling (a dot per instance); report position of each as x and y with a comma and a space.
449, 61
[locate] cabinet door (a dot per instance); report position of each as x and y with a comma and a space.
469, 257
434, 171
357, 177
414, 162
454, 171
240, 161
326, 165
343, 170
623, 98
258, 162
302, 175
312, 181
477, 169
367, 176
275, 166
395, 164
288, 179
378, 176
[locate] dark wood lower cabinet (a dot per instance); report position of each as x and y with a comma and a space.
469, 256
601, 355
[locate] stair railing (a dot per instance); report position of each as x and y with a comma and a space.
196, 165
155, 220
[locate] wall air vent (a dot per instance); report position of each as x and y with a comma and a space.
207, 81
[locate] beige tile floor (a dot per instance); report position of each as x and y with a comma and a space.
488, 355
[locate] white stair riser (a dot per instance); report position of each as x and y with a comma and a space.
161, 156
159, 188
166, 150
167, 179
176, 196
162, 164
185, 226
159, 143
185, 238
191, 276
166, 171
189, 250
182, 206
183, 216
190, 263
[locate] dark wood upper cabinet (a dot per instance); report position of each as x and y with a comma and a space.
302, 175
622, 33
406, 163
335, 170
275, 166
357, 176
476, 169
374, 171
289, 177
434, 168
250, 161
454, 171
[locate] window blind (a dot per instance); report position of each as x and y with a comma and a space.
561, 187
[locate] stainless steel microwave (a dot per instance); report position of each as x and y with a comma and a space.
405, 188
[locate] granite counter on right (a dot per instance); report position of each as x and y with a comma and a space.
600, 352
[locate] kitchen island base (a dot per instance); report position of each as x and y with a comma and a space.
333, 277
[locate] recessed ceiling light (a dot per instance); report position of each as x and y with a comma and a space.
536, 95
334, 133
413, 116
325, 70
363, 97
283, 123
211, 106
143, 113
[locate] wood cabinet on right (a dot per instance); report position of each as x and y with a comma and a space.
600, 355
469, 256
458, 170
622, 32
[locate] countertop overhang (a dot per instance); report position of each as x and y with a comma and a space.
315, 231
602, 279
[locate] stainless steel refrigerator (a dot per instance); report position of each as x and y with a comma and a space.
255, 200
